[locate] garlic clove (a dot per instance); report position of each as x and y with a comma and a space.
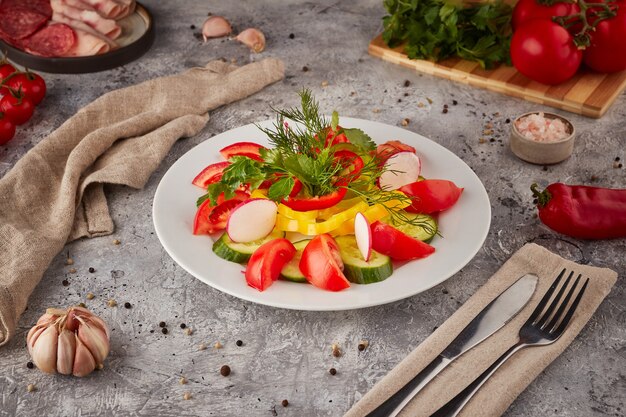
65, 352
44, 350
253, 39
46, 318
101, 324
95, 340
84, 362
215, 27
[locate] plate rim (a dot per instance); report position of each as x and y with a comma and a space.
295, 306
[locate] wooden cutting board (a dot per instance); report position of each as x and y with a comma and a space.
587, 93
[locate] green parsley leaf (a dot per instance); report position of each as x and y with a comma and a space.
360, 139
281, 188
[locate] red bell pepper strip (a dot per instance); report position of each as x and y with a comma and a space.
317, 202
397, 245
333, 137
209, 175
267, 261
581, 211
352, 163
430, 196
249, 149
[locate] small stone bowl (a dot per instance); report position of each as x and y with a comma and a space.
542, 153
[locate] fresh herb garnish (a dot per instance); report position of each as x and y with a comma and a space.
438, 29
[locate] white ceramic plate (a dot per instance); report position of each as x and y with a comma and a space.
464, 227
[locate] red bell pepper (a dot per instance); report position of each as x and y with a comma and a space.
267, 261
333, 137
249, 149
430, 196
317, 202
209, 175
581, 211
352, 163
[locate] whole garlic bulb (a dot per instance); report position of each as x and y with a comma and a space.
72, 341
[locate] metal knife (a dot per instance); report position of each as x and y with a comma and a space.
498, 313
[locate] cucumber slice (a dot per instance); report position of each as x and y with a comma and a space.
240, 252
377, 269
424, 230
291, 270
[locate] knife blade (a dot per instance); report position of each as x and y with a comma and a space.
493, 317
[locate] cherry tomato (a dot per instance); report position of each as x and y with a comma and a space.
267, 261
31, 84
607, 52
7, 129
399, 246
6, 69
321, 264
211, 219
545, 52
210, 174
16, 107
317, 202
430, 196
526, 10
249, 149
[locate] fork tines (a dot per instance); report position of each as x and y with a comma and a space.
558, 320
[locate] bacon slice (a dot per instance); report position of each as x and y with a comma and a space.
77, 24
108, 27
87, 44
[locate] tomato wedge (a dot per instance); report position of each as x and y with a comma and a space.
211, 219
321, 264
317, 202
430, 196
399, 246
249, 149
209, 175
352, 163
267, 261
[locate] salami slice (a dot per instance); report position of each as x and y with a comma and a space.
53, 40
40, 6
19, 23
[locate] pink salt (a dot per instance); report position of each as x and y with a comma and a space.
538, 128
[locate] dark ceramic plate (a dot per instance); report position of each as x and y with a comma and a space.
137, 38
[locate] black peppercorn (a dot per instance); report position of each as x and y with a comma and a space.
92, 269
291, 36
507, 121
305, 69
164, 330
127, 304
407, 83
65, 283
285, 403
30, 365
225, 370
332, 371
192, 27
617, 159
162, 324
361, 347
183, 325
239, 343
445, 110
454, 102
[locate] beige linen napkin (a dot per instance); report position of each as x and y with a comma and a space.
519, 371
54, 194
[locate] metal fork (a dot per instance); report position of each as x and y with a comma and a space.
542, 328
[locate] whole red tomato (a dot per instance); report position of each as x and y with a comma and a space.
545, 52
7, 129
526, 10
607, 52
17, 108
5, 70
31, 84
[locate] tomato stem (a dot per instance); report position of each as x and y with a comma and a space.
543, 197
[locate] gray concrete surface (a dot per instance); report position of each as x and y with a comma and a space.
286, 354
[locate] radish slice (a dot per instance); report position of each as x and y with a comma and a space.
252, 220
363, 235
400, 169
